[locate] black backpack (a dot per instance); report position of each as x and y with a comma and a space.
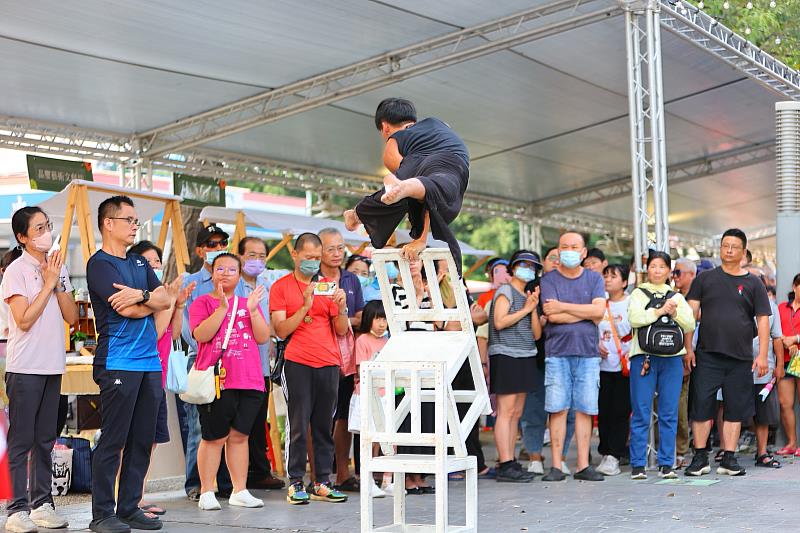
664, 336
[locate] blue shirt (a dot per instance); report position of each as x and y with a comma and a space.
204, 286
123, 343
578, 339
351, 286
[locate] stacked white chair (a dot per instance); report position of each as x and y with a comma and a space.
424, 363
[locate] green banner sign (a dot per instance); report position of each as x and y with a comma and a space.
198, 191
47, 174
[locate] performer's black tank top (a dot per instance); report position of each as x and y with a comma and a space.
427, 137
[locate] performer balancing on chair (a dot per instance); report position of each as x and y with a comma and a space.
429, 171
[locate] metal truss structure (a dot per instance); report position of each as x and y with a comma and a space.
646, 118
698, 27
678, 173
363, 76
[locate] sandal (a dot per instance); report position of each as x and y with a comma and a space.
767, 461
350, 485
153, 509
787, 450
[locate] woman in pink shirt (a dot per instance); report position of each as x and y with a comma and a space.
227, 421
168, 329
38, 292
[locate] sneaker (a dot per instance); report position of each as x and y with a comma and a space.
109, 524
297, 495
376, 492
588, 474
667, 472
536, 468
730, 466
46, 517
699, 465
21, 523
565, 468
609, 466
555, 475
637, 472
324, 492
208, 502
510, 473
243, 498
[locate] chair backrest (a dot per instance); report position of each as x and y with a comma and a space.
396, 316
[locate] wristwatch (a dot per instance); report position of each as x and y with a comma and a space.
145, 296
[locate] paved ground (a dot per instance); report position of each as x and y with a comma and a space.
763, 500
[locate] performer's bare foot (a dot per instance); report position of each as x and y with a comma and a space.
351, 220
397, 190
412, 250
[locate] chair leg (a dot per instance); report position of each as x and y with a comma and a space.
367, 504
471, 507
441, 515
399, 498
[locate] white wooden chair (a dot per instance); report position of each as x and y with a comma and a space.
424, 363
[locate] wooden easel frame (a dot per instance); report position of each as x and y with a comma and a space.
78, 209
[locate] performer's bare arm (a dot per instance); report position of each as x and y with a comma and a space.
391, 156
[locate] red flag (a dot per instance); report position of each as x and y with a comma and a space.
5, 475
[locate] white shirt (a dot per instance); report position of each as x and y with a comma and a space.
619, 310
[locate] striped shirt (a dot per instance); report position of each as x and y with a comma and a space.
517, 340
401, 300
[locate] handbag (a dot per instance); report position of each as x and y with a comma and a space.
347, 349
202, 386
177, 373
623, 361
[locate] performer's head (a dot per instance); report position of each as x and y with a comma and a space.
394, 114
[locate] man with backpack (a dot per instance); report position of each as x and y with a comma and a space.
732, 302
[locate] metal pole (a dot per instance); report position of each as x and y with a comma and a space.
635, 121
787, 163
657, 139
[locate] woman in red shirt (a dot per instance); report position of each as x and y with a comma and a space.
788, 386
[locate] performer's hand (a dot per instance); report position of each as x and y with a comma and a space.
412, 250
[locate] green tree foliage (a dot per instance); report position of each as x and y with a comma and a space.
494, 233
776, 29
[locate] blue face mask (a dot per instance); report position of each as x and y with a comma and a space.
159, 273
391, 271
364, 280
525, 274
569, 258
210, 256
309, 267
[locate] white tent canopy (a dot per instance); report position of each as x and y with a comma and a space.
280, 222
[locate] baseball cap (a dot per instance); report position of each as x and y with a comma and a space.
206, 233
532, 257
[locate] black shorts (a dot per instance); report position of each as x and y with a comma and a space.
768, 412
235, 409
162, 427
346, 386
734, 376
512, 375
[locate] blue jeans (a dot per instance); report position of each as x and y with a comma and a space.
572, 382
193, 443
666, 378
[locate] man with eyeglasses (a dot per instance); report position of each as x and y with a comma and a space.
332, 260
682, 277
211, 241
253, 253
125, 293
735, 309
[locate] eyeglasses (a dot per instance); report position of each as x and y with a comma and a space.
216, 244
41, 228
227, 270
332, 249
130, 220
552, 258
676, 273
731, 247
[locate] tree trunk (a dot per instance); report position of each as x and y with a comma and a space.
192, 225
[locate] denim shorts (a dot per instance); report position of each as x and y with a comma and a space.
571, 382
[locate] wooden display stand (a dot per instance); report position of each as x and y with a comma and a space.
424, 363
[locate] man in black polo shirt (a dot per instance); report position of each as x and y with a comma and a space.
731, 301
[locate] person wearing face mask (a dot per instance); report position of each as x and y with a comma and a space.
333, 251
211, 242
513, 329
310, 377
37, 289
573, 302
359, 265
253, 253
